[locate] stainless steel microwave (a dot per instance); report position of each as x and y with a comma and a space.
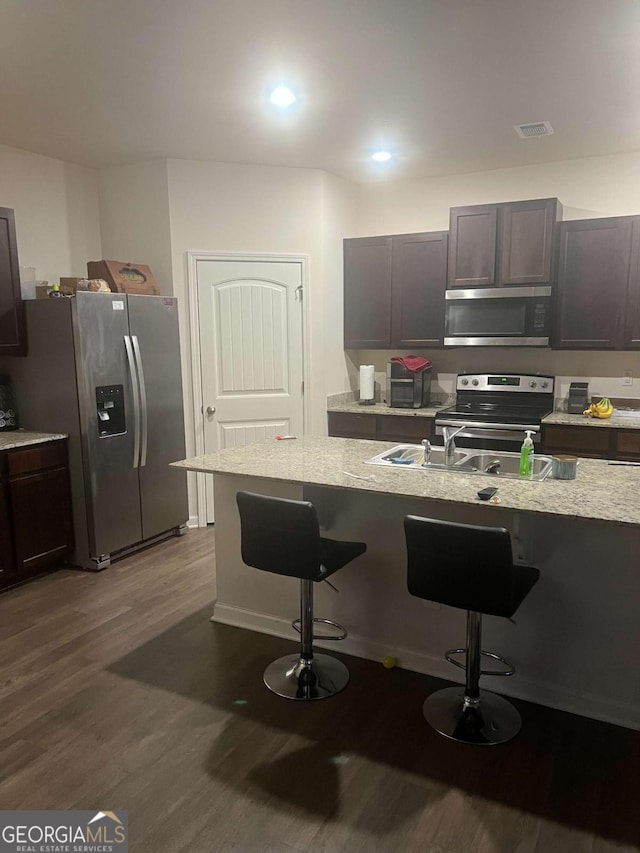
498, 316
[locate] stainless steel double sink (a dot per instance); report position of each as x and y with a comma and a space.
500, 463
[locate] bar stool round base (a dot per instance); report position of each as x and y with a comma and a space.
493, 720
295, 678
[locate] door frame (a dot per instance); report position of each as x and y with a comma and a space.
194, 342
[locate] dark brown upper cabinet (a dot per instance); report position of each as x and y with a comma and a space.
13, 333
631, 323
418, 284
472, 245
494, 245
394, 290
593, 282
367, 293
526, 245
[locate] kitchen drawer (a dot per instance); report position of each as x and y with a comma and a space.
583, 441
628, 444
407, 428
350, 425
37, 458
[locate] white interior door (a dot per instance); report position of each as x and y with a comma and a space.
250, 320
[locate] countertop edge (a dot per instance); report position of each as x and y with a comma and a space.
19, 438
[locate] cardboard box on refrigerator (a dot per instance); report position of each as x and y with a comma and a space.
124, 277
69, 285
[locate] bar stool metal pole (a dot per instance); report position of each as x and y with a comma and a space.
474, 645
306, 620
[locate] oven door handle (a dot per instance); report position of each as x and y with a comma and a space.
491, 426
479, 431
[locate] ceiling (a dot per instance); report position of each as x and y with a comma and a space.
440, 83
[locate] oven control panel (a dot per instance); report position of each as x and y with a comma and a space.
512, 382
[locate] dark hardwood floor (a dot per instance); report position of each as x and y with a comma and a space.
117, 692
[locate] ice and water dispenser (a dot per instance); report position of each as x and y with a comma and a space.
110, 409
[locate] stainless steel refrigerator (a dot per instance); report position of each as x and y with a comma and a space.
105, 368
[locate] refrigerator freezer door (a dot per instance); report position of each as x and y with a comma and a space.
153, 322
111, 477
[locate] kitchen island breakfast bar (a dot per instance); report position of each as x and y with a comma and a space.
576, 644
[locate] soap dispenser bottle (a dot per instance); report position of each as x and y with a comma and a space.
526, 455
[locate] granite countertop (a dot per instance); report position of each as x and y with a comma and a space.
24, 437
600, 492
382, 409
617, 420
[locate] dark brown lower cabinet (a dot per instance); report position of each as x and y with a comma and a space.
7, 562
628, 444
401, 428
35, 510
597, 442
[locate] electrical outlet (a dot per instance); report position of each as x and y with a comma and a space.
627, 378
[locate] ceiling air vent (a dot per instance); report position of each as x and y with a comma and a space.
536, 128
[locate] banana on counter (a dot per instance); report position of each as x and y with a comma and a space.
602, 409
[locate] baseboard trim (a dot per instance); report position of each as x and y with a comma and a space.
534, 690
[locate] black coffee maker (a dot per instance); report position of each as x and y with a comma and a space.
407, 389
8, 415
579, 398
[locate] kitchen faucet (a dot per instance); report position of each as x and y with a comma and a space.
448, 434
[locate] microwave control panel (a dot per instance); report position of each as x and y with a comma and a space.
540, 317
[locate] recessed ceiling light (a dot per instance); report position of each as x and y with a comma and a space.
381, 156
282, 96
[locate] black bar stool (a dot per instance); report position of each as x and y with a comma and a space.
470, 568
283, 536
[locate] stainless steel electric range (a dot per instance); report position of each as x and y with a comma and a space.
493, 410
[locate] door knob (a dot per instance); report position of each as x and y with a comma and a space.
211, 410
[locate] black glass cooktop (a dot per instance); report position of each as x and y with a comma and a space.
495, 413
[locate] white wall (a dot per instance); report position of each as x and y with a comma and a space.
590, 187
56, 209
217, 207
134, 217
339, 211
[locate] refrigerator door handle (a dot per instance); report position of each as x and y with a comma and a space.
143, 400
136, 400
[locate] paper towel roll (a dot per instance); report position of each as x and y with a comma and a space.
367, 382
